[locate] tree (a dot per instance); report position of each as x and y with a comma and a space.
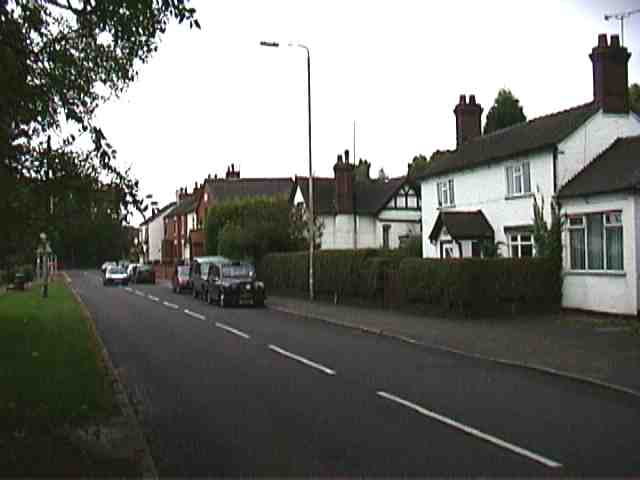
634, 97
506, 111
59, 61
252, 227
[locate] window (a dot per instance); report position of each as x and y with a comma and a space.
595, 241
476, 249
518, 179
446, 196
385, 235
520, 244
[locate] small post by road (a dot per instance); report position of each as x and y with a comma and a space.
43, 255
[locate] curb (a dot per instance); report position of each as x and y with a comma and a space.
148, 465
443, 348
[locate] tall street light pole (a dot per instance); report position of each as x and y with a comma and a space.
311, 216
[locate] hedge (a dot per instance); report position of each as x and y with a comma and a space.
468, 286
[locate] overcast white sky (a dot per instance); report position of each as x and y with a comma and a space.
214, 97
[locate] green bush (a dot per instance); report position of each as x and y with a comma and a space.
480, 286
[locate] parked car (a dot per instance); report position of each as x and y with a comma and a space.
106, 265
115, 276
234, 284
198, 274
144, 274
180, 280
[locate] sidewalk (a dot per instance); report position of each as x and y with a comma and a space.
592, 347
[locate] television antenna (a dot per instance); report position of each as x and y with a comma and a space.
621, 16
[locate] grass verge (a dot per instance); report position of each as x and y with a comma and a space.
52, 379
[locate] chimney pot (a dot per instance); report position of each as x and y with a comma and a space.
602, 40
615, 41
472, 99
468, 116
339, 160
346, 156
463, 100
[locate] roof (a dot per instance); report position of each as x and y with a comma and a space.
222, 190
186, 205
371, 196
158, 213
616, 169
462, 225
539, 133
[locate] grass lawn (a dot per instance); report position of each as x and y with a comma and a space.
51, 377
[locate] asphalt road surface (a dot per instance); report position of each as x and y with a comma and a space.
244, 391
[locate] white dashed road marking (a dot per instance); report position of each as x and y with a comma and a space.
472, 431
195, 315
170, 305
129, 289
151, 297
139, 293
300, 359
232, 330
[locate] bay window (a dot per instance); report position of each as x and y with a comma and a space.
595, 241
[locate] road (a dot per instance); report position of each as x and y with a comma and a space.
230, 392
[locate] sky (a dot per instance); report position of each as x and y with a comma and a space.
213, 97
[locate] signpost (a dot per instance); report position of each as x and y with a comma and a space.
43, 256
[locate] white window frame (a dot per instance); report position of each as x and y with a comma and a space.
518, 177
446, 193
610, 220
519, 242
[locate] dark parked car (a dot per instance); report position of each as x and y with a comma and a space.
234, 284
180, 280
199, 274
144, 274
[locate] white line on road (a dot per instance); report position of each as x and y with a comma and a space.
151, 297
472, 431
232, 330
170, 305
129, 289
194, 315
139, 293
300, 359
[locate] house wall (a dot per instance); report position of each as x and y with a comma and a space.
156, 234
610, 292
402, 222
591, 139
485, 188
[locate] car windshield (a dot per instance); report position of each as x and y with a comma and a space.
116, 270
237, 270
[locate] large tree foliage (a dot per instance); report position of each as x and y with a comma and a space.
249, 228
634, 97
505, 111
59, 61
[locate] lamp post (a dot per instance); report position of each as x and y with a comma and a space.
311, 216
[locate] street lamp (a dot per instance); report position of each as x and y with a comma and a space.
311, 216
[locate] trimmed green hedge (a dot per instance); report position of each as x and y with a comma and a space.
468, 286
482, 285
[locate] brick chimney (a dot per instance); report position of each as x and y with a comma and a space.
232, 173
468, 117
610, 75
343, 174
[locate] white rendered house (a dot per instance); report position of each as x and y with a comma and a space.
357, 212
151, 234
495, 178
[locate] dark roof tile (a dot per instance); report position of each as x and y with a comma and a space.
615, 169
536, 134
462, 225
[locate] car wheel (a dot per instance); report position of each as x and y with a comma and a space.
223, 302
259, 303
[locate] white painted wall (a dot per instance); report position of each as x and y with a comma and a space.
485, 188
156, 234
591, 139
605, 291
402, 222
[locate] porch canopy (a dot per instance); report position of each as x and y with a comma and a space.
462, 226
